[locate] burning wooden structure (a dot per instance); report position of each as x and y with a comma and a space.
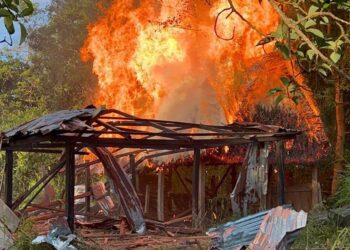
105, 133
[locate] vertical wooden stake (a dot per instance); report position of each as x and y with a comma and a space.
70, 179
147, 196
160, 196
281, 176
87, 189
195, 185
201, 197
8, 178
133, 170
314, 186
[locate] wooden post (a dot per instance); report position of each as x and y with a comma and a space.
314, 186
195, 185
70, 179
87, 189
201, 197
281, 176
263, 174
8, 178
133, 170
147, 196
160, 196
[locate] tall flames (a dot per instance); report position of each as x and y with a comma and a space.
162, 59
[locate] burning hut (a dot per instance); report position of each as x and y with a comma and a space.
105, 132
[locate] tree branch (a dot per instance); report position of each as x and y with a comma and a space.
292, 25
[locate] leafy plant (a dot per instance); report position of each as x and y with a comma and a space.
15, 11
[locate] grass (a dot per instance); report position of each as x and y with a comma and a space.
322, 233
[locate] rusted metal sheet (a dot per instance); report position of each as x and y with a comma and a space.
71, 120
273, 229
128, 197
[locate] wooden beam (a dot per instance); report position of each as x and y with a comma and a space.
160, 196
133, 170
43, 180
87, 189
147, 197
70, 183
201, 197
281, 171
8, 178
195, 185
314, 186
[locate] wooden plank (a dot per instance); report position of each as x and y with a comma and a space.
195, 186
281, 172
160, 196
8, 178
70, 183
147, 197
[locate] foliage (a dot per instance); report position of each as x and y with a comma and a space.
15, 11
24, 237
55, 58
314, 36
322, 233
342, 197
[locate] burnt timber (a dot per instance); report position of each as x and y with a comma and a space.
71, 131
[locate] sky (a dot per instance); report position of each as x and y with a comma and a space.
42, 4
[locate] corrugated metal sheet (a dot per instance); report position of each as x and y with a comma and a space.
71, 120
273, 229
279, 228
237, 233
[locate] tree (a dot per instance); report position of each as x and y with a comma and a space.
314, 35
15, 11
67, 82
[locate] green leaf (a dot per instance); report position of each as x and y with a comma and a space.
316, 32
274, 91
28, 3
312, 9
26, 12
309, 23
284, 49
291, 88
322, 71
296, 99
300, 53
324, 20
4, 12
293, 35
23, 33
9, 25
335, 57
281, 31
14, 8
325, 6
326, 66
279, 99
285, 80
16, 2
310, 53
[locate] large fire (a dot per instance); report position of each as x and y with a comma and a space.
162, 59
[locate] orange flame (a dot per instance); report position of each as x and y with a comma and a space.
162, 59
